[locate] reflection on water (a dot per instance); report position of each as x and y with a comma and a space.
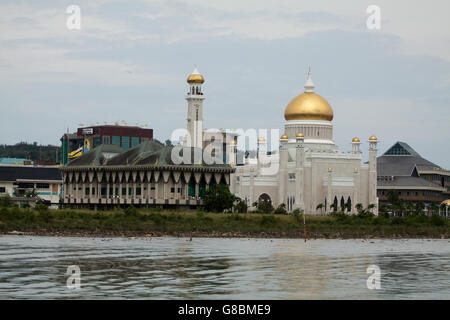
174, 268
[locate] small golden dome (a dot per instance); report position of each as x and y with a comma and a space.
300, 135
330, 169
308, 106
233, 142
261, 139
195, 77
284, 136
373, 138
355, 139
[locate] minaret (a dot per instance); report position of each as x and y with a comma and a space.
299, 175
282, 173
195, 99
373, 199
355, 145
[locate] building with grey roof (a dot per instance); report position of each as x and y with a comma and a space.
146, 175
403, 169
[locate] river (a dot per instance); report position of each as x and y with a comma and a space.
33, 267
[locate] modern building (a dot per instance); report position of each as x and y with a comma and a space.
17, 180
403, 169
309, 172
87, 138
149, 173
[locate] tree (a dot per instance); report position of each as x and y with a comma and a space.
218, 198
169, 143
31, 194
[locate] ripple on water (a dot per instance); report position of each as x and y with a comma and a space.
173, 268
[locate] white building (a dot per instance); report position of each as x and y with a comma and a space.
309, 170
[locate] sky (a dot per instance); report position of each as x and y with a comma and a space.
130, 60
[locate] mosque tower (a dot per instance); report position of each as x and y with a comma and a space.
195, 99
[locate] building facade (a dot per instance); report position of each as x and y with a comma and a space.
46, 181
414, 178
309, 172
87, 138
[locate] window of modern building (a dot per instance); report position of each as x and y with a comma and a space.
42, 185
416, 193
2, 189
116, 140
126, 142
97, 141
134, 141
106, 140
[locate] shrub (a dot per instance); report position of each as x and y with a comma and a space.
5, 201
437, 220
241, 206
281, 209
264, 207
131, 211
40, 207
269, 220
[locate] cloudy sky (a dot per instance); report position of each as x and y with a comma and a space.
130, 61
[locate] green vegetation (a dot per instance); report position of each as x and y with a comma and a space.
156, 222
43, 154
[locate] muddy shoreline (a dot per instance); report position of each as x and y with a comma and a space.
201, 234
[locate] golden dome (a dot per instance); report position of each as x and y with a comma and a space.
261, 139
300, 135
446, 202
284, 136
195, 77
373, 138
308, 106
355, 139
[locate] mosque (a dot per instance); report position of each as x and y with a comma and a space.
311, 173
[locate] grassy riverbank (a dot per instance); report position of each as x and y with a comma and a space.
132, 222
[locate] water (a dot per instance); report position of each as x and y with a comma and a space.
175, 268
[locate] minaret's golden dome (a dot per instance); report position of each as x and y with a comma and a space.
373, 138
308, 105
195, 77
284, 136
355, 139
300, 135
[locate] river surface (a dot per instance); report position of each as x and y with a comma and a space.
215, 268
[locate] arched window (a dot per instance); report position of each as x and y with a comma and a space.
349, 204
335, 204
342, 204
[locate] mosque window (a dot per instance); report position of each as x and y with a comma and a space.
196, 114
291, 176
